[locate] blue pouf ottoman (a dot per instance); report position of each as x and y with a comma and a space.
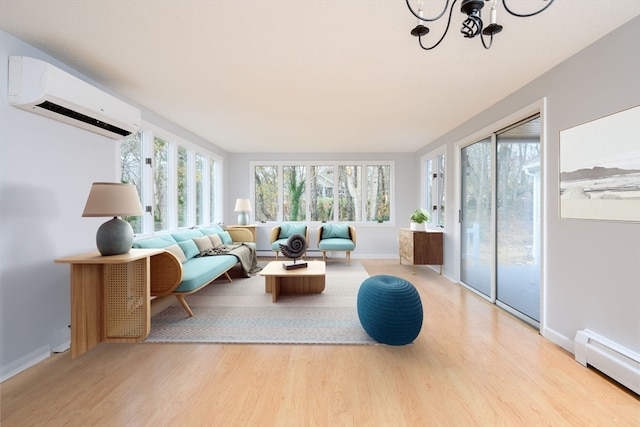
390, 309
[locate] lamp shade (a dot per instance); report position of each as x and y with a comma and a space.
243, 205
112, 199
114, 237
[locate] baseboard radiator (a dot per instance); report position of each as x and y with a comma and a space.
613, 360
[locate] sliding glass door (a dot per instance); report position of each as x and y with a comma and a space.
476, 216
518, 218
500, 218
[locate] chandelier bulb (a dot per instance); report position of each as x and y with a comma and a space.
493, 27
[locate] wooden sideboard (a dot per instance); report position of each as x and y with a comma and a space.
110, 297
421, 247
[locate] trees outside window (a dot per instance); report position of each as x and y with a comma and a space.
183, 187
350, 193
266, 193
131, 161
378, 194
321, 186
294, 192
160, 184
307, 191
176, 181
199, 176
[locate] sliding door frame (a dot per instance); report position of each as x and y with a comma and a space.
538, 107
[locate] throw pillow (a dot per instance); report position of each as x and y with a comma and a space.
203, 243
177, 251
189, 248
225, 237
186, 235
215, 240
288, 230
335, 231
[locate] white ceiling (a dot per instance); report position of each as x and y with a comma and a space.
301, 75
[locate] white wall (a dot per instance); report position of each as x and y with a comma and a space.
46, 171
592, 268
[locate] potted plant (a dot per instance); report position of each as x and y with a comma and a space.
418, 219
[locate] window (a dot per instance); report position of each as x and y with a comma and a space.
213, 200
176, 180
433, 173
293, 190
160, 184
378, 196
306, 191
321, 191
266, 193
199, 195
183, 187
131, 171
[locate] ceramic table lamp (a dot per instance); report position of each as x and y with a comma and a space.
243, 206
106, 199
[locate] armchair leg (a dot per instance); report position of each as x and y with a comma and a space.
324, 255
184, 304
348, 257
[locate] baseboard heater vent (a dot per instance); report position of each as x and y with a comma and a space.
613, 360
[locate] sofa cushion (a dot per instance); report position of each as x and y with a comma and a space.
336, 245
187, 235
225, 237
177, 251
155, 242
288, 230
200, 271
335, 231
214, 229
203, 243
189, 248
215, 240
275, 246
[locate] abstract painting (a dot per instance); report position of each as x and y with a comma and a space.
600, 168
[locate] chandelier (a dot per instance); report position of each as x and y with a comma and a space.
473, 25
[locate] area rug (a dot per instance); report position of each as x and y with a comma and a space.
241, 312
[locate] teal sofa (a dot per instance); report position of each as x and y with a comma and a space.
185, 272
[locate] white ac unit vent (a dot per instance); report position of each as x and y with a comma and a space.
41, 88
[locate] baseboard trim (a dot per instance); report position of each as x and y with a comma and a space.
25, 363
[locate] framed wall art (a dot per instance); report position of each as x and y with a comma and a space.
600, 168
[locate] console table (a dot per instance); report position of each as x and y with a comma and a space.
421, 247
250, 227
110, 297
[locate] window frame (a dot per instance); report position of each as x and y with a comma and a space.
279, 164
212, 163
427, 195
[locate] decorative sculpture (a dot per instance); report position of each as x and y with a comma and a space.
294, 248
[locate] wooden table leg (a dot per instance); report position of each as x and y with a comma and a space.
275, 289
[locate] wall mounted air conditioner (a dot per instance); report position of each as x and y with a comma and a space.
41, 88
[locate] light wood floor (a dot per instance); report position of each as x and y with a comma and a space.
472, 365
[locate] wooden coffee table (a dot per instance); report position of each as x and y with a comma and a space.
308, 280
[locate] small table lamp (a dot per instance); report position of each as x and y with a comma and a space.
115, 236
243, 206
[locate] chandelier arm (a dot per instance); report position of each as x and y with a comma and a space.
446, 30
485, 43
526, 15
446, 5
